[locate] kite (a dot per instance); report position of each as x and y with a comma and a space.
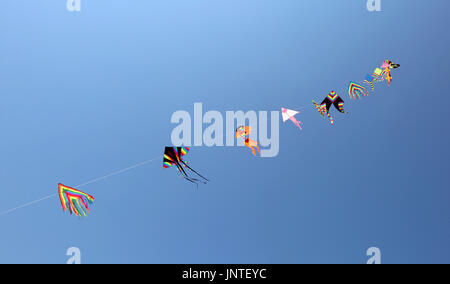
378, 75
331, 99
244, 132
74, 201
355, 91
174, 156
369, 80
290, 114
387, 66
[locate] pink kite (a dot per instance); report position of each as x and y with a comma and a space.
290, 114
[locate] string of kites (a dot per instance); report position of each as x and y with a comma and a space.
77, 202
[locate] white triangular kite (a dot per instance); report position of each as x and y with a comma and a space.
290, 114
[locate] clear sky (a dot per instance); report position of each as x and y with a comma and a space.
86, 94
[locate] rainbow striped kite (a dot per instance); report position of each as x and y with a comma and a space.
74, 201
355, 91
331, 99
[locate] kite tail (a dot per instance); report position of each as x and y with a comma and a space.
355, 96
186, 165
74, 201
193, 180
387, 75
331, 118
296, 122
181, 170
318, 107
341, 107
196, 181
186, 176
78, 206
323, 112
371, 84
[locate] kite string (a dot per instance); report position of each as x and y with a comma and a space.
118, 172
27, 204
81, 185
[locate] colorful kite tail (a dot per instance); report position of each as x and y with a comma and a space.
331, 118
74, 201
296, 122
319, 108
371, 84
341, 107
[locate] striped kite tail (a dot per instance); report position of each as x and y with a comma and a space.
331, 118
341, 107
319, 108
371, 84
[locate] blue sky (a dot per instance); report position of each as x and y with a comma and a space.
85, 94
